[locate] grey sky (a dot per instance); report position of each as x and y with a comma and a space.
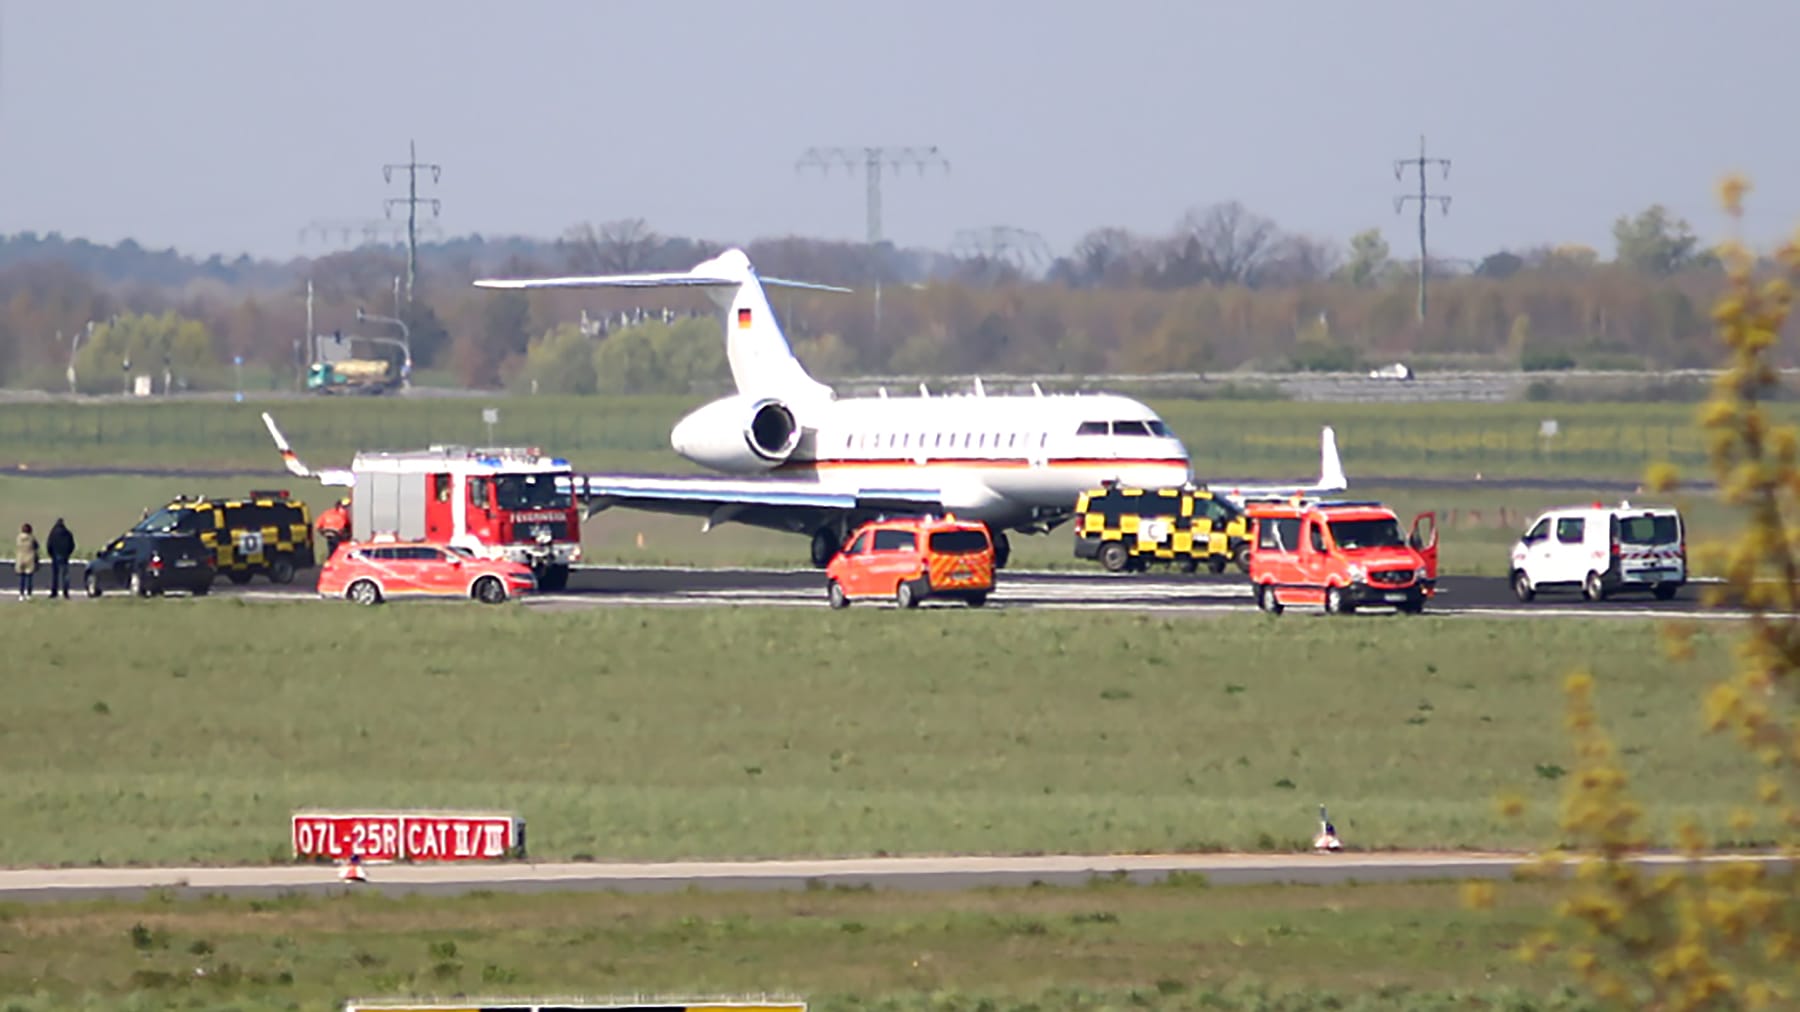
227, 125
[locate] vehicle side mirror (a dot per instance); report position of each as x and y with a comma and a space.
1415, 542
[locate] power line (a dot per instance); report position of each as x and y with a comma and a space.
371, 230
1424, 197
872, 159
412, 200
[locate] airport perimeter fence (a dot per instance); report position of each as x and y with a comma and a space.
1226, 440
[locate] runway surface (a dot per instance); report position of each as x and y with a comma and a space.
906, 873
1154, 592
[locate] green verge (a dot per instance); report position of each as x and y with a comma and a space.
1172, 946
1227, 439
186, 731
1478, 524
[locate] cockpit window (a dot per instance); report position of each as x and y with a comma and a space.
1157, 428
1091, 429
1130, 429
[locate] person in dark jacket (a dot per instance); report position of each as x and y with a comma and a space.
61, 546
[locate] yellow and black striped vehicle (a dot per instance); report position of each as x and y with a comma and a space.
264, 532
1128, 528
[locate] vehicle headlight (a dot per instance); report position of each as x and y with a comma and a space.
1419, 574
1357, 572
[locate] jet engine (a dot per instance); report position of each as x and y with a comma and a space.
738, 434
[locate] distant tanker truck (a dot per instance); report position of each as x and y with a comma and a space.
353, 376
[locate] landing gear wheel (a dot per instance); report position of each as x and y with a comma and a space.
364, 592
904, 596
825, 545
1336, 603
553, 578
92, 581
1265, 599
1593, 588
281, 570
1114, 556
835, 594
1522, 586
488, 590
1002, 548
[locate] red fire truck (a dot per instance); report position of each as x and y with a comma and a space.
512, 503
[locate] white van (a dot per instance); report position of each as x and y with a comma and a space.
1601, 550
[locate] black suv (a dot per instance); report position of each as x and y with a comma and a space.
148, 564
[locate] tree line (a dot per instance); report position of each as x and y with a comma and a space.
1224, 288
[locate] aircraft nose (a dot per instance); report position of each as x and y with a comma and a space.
681, 437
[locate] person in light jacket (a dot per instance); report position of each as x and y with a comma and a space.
25, 560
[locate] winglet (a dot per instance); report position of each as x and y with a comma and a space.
298, 468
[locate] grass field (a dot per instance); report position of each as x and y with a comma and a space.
187, 730
1479, 524
1227, 439
1175, 946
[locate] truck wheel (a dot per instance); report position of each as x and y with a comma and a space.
978, 599
1593, 588
904, 596
488, 590
365, 592
201, 589
553, 578
92, 580
238, 576
835, 594
139, 588
1216, 564
281, 570
1265, 599
1522, 586
1336, 602
1665, 591
1241, 557
1114, 556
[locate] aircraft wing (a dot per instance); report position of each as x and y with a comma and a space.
786, 504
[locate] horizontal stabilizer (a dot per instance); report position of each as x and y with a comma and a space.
646, 281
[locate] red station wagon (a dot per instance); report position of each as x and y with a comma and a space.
371, 572
913, 559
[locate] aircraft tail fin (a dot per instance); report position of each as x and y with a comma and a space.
1331, 467
762, 362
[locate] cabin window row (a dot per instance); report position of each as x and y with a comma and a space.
946, 441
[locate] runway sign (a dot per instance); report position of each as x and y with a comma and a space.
558, 1005
407, 836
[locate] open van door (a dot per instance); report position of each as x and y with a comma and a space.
1424, 540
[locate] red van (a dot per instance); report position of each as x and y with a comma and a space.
1341, 555
913, 559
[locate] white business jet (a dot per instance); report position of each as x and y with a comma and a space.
825, 464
